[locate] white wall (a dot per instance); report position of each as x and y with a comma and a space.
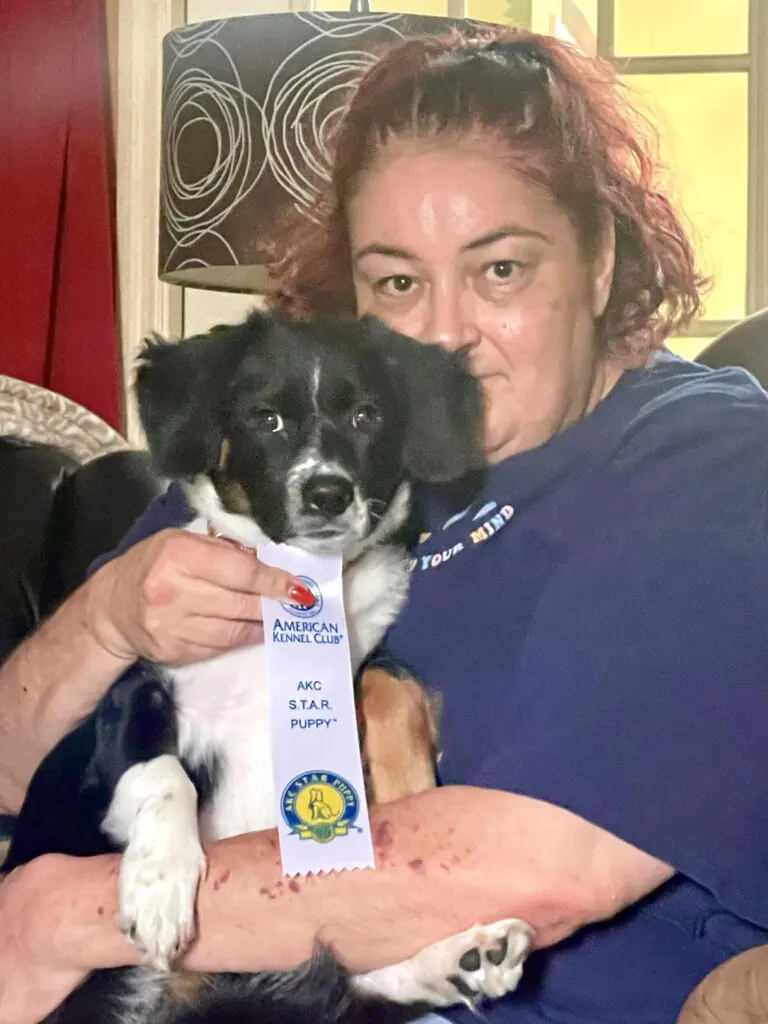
204, 309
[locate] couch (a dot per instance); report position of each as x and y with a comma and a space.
70, 486
745, 344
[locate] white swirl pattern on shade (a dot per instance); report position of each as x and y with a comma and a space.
196, 208
283, 133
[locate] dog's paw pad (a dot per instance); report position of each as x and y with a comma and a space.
494, 964
471, 960
497, 956
157, 902
484, 962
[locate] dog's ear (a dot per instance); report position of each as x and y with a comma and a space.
176, 393
179, 388
445, 406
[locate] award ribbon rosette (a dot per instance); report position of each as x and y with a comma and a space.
322, 811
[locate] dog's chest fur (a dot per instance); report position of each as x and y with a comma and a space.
223, 705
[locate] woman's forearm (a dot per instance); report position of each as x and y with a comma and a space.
253, 918
47, 684
447, 860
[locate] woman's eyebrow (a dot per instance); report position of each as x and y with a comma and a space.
507, 231
379, 249
497, 235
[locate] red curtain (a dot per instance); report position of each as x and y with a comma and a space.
58, 317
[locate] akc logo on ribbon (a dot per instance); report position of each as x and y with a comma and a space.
300, 610
320, 806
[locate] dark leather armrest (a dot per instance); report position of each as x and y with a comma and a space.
93, 509
29, 476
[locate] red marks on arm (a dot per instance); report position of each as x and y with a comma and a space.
222, 879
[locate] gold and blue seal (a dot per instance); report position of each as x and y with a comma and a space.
320, 806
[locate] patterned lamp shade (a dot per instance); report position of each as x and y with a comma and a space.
248, 104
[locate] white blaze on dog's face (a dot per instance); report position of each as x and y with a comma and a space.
312, 431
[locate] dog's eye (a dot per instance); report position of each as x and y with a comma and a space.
266, 420
366, 418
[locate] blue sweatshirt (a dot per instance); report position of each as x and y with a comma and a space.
597, 623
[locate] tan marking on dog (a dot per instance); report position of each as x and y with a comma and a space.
183, 986
401, 734
233, 497
224, 455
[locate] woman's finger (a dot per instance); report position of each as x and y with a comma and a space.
202, 638
226, 565
200, 598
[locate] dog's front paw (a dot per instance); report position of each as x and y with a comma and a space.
153, 815
484, 962
489, 961
157, 900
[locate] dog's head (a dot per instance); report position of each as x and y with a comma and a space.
310, 430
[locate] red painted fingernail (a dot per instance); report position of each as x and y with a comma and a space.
300, 594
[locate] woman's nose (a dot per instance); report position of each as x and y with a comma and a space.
451, 325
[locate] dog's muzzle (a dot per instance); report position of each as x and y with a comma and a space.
326, 511
327, 496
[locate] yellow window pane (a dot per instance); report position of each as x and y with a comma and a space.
434, 7
702, 119
496, 11
688, 348
574, 20
576, 23
657, 27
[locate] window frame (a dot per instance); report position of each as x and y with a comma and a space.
755, 64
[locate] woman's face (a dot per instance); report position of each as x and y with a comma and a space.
450, 245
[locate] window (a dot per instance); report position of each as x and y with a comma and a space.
696, 66
707, 177
693, 27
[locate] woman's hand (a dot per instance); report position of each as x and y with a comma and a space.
34, 979
180, 597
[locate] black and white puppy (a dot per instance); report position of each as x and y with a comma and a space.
306, 433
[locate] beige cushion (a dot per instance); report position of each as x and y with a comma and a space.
36, 414
734, 993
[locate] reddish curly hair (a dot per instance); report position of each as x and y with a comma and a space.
569, 127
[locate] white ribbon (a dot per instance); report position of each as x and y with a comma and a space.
322, 811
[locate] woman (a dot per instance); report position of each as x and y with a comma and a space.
595, 622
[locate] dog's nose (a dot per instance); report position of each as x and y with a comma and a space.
328, 495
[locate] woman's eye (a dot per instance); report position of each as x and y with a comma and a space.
366, 418
395, 284
266, 420
503, 270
